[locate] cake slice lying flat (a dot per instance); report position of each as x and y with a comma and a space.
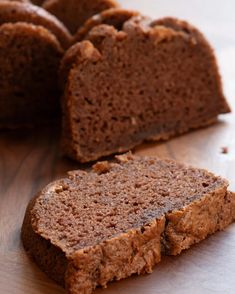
119, 219
149, 80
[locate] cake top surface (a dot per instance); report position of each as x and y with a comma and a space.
114, 28
11, 12
73, 13
87, 208
115, 17
29, 29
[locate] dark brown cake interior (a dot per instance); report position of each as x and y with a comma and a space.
29, 58
90, 207
148, 82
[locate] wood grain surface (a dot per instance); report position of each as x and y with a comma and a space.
30, 159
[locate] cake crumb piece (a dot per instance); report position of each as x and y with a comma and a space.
101, 167
124, 157
224, 150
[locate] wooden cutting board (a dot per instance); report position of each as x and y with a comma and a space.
30, 159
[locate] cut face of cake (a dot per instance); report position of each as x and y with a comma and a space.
94, 227
22, 1
149, 80
29, 58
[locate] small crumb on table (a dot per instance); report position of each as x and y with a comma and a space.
224, 150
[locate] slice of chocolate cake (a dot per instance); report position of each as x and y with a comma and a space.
12, 12
23, 1
38, 2
73, 13
29, 58
149, 81
119, 219
115, 17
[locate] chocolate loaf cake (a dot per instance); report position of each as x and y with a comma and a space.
38, 2
24, 1
150, 80
29, 58
120, 218
12, 12
73, 13
115, 17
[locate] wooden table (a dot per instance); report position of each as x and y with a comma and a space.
30, 159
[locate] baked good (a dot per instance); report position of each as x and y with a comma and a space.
12, 12
149, 81
114, 16
73, 13
38, 2
24, 1
29, 58
120, 218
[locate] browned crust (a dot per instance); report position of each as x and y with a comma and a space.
38, 2
115, 17
195, 222
73, 13
24, 1
133, 252
80, 52
12, 12
48, 257
178, 230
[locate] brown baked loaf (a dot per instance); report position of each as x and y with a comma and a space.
148, 81
115, 17
119, 219
73, 13
29, 58
38, 2
24, 1
12, 12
